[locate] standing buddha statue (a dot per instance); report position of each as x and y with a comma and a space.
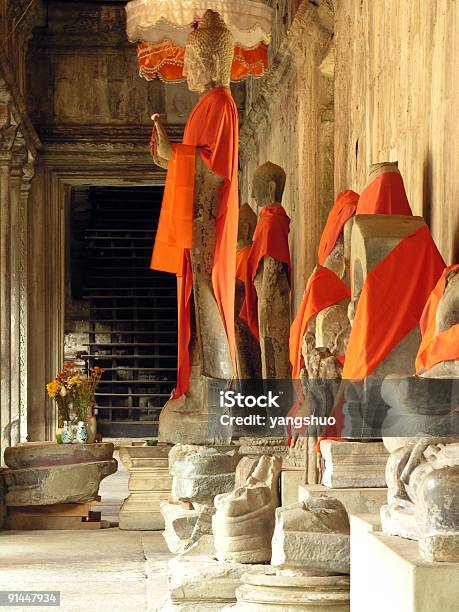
197, 232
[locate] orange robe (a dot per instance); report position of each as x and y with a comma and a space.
442, 347
269, 239
212, 133
385, 195
391, 303
242, 258
324, 288
342, 210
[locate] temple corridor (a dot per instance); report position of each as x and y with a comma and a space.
229, 305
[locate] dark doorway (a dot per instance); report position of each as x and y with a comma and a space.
131, 310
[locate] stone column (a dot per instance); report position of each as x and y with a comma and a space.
18, 160
23, 236
7, 135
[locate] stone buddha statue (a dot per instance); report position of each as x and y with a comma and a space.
447, 316
272, 282
423, 472
248, 349
209, 153
425, 403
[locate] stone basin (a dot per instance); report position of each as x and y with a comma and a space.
42, 454
57, 484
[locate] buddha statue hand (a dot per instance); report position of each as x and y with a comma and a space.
161, 148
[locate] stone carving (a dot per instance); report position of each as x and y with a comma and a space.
373, 238
272, 283
45, 474
349, 464
248, 349
208, 59
198, 583
312, 538
200, 473
244, 520
446, 317
423, 496
183, 527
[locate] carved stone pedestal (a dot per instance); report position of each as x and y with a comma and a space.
149, 485
273, 593
353, 464
388, 573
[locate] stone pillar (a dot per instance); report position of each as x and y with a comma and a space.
5, 159
16, 167
18, 160
23, 237
7, 135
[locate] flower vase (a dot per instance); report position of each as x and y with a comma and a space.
82, 433
92, 429
67, 433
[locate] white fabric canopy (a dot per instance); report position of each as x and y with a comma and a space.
153, 21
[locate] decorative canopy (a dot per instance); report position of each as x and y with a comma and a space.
161, 28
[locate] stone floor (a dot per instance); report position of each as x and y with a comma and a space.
103, 570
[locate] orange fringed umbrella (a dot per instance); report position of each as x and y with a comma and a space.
161, 28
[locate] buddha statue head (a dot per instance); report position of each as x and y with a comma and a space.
246, 226
376, 170
268, 185
209, 54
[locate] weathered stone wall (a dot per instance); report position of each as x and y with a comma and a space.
290, 122
18, 150
397, 98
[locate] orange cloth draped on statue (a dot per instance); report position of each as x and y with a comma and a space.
391, 303
269, 239
444, 346
212, 133
385, 195
242, 257
324, 288
342, 210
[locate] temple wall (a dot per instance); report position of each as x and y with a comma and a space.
397, 98
290, 122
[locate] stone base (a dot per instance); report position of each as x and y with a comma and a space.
440, 547
353, 464
356, 501
186, 420
197, 606
290, 481
388, 573
149, 485
272, 593
201, 583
